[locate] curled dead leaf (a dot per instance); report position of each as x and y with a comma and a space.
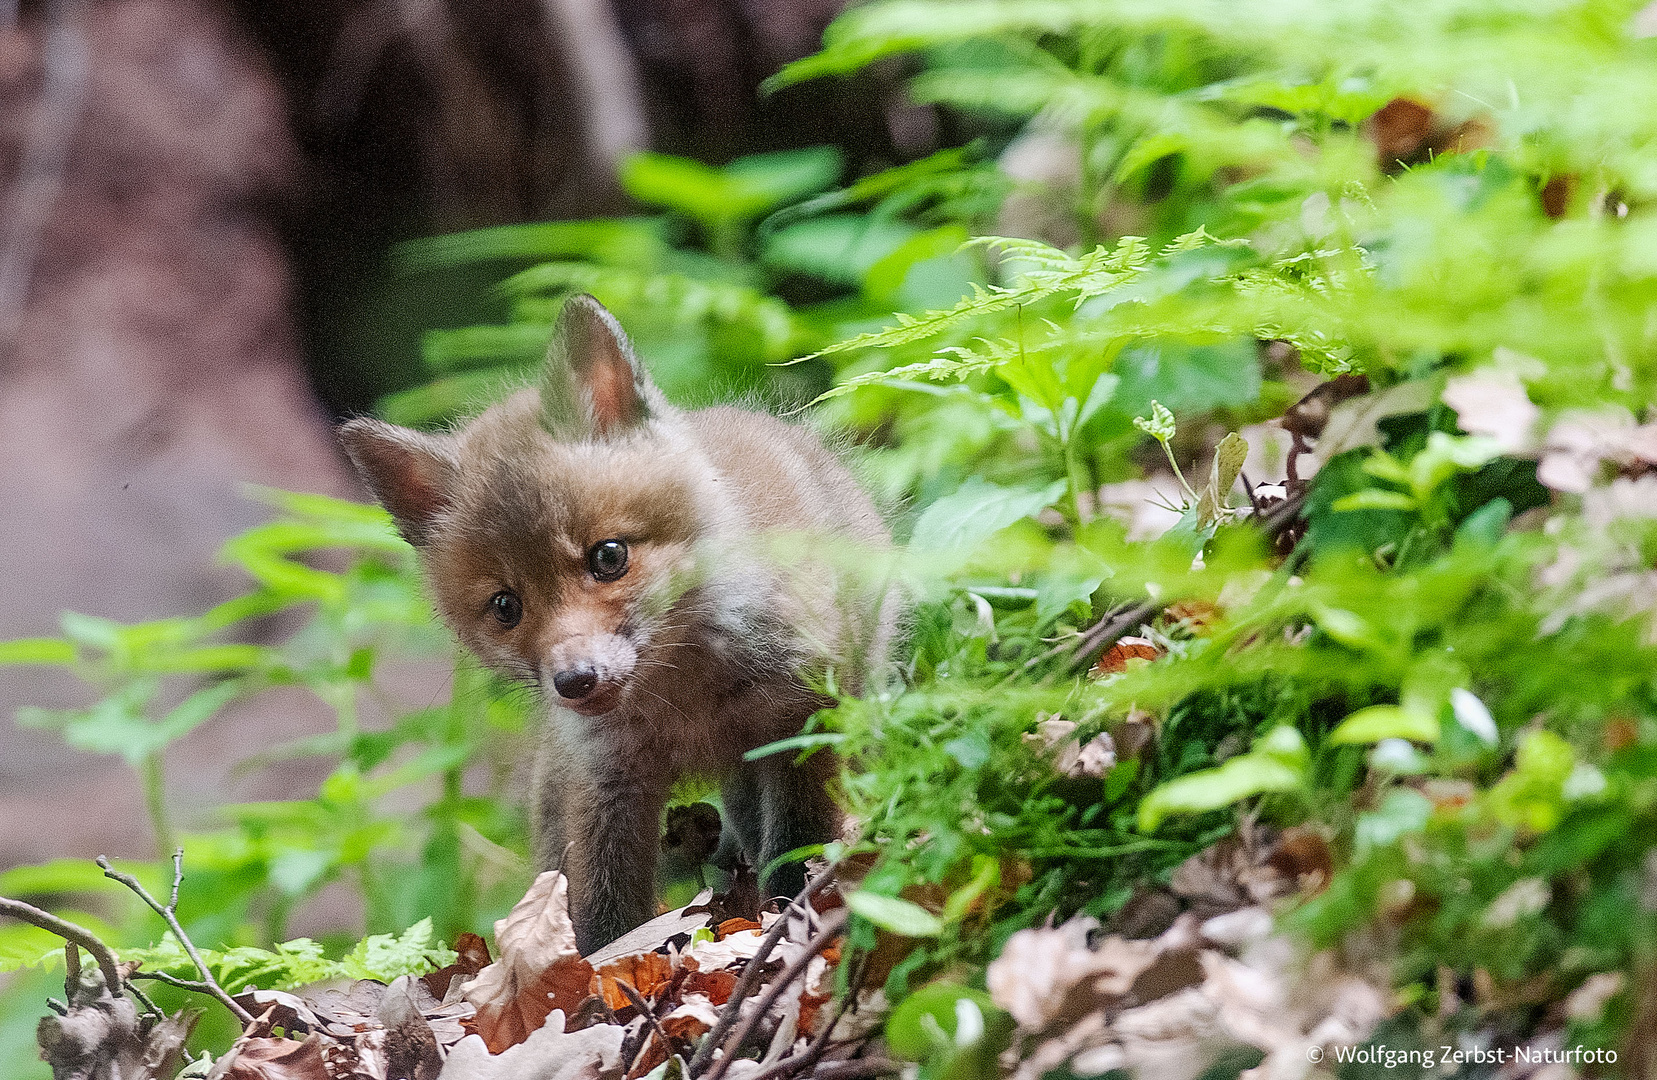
539, 969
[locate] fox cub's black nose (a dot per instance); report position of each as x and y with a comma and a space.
575, 683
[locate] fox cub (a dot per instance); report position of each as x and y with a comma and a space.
680, 582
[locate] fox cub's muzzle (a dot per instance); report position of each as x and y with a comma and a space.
590, 672
575, 683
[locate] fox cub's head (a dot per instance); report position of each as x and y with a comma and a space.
557, 527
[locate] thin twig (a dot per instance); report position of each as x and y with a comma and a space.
144, 999
850, 1070
832, 924
649, 1015
1105, 632
178, 878
192, 985
211, 985
1248, 489
71, 967
750, 974
799, 1063
68, 931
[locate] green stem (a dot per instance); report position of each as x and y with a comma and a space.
151, 772
1168, 451
1076, 474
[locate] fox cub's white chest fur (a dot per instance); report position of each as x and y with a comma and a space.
674, 582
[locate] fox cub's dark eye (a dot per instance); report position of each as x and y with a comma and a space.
507, 608
607, 559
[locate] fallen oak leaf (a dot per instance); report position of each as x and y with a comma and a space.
539, 969
657, 932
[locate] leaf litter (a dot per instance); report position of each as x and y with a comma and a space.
538, 1010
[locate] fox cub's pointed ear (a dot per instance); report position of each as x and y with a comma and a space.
594, 386
412, 474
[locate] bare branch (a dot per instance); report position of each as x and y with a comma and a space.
833, 923
210, 985
649, 1015
68, 931
799, 1063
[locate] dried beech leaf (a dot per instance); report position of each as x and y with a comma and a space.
550, 1053
644, 972
539, 969
273, 1059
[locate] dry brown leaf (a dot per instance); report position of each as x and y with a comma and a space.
1070, 756
716, 986
733, 926
1303, 858
539, 969
471, 957
1125, 651
644, 972
273, 1059
694, 1017
550, 1053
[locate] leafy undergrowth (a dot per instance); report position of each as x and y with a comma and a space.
1268, 391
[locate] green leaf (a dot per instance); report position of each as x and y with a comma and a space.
976, 511
632, 242
384, 957
1404, 811
1374, 499
1160, 426
930, 1020
986, 875
1385, 722
894, 914
1279, 762
795, 742
55, 651
742, 190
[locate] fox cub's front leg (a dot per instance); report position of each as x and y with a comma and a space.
602, 828
773, 807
